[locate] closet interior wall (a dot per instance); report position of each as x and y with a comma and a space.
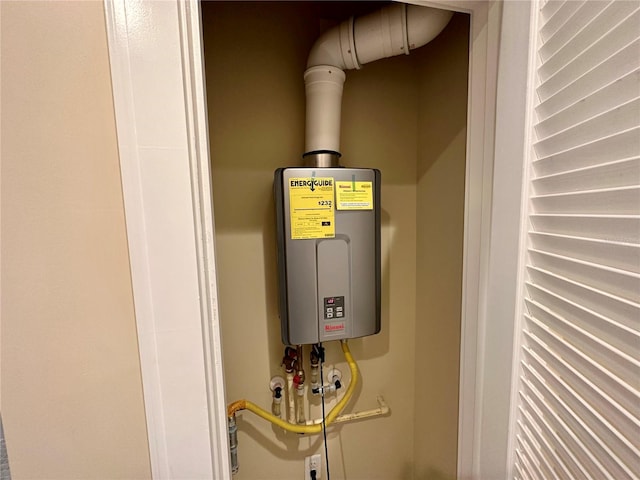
405, 116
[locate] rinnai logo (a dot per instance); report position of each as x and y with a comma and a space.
334, 327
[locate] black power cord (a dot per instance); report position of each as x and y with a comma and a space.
324, 425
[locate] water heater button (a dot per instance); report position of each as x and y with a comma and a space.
333, 307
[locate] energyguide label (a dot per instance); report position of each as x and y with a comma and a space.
311, 207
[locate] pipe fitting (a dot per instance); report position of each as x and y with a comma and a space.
289, 359
275, 404
300, 365
335, 47
276, 385
233, 443
393, 30
334, 375
321, 159
291, 411
300, 414
317, 351
316, 426
315, 377
382, 34
425, 24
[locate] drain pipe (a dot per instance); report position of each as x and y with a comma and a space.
394, 30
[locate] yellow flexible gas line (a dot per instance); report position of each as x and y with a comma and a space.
291, 427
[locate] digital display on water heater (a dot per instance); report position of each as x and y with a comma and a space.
333, 308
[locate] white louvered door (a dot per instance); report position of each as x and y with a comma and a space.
577, 406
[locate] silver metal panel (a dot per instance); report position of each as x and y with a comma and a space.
344, 269
333, 260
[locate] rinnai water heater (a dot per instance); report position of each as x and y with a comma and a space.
328, 228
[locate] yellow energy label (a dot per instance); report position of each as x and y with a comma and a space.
354, 195
311, 207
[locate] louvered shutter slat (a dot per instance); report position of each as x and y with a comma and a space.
618, 92
579, 422
559, 18
591, 22
560, 443
615, 147
529, 459
617, 201
578, 402
611, 254
610, 280
551, 7
617, 228
578, 58
620, 118
623, 414
581, 18
619, 310
621, 173
582, 329
558, 420
615, 67
555, 466
606, 436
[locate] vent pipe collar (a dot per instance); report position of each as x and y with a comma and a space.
321, 159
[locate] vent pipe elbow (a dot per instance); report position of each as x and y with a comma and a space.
390, 31
425, 24
335, 48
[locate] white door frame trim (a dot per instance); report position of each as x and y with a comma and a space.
160, 104
503, 297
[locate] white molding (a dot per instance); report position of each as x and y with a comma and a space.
502, 300
134, 215
156, 67
196, 101
483, 61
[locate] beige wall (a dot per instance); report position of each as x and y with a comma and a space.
443, 69
255, 56
71, 390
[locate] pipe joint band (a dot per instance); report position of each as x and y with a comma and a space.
348, 45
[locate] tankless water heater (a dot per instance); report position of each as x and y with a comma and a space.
328, 229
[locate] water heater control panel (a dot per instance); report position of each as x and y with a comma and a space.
328, 235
